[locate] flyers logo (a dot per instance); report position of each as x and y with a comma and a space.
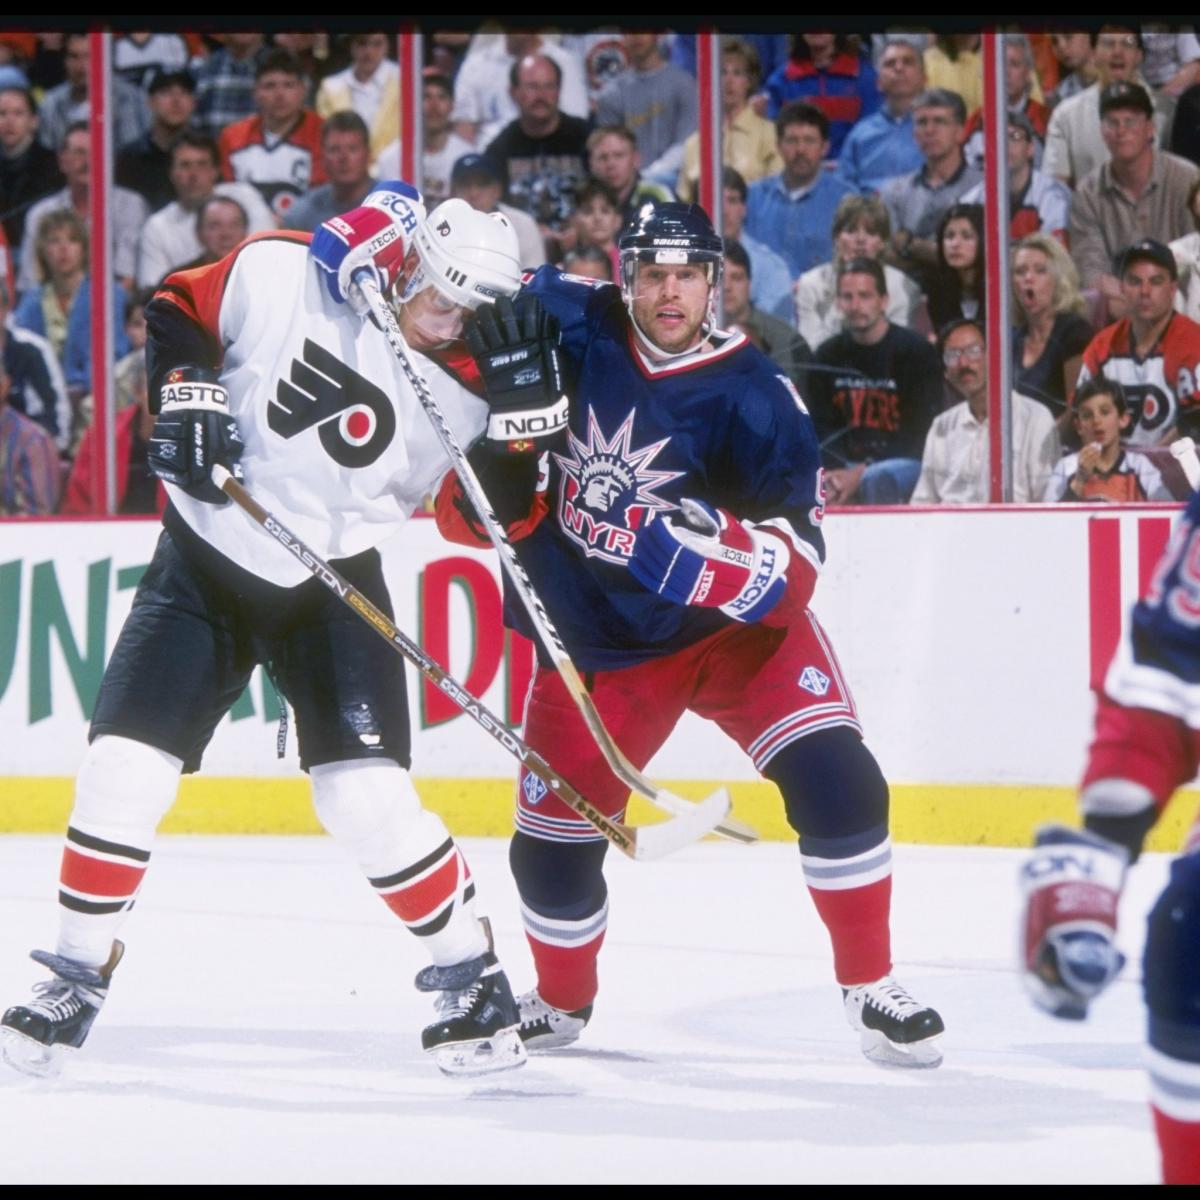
354, 418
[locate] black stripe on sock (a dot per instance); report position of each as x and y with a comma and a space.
90, 906
99, 844
435, 926
387, 881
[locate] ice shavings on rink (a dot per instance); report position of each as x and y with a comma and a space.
263, 1028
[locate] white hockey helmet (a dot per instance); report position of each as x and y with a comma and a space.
471, 257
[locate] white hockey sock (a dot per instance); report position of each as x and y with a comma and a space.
123, 791
407, 854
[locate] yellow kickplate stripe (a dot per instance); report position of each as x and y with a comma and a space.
934, 814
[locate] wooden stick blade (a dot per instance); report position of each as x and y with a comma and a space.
690, 825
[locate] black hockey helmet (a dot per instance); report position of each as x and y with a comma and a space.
670, 233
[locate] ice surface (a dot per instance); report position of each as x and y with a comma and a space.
263, 1028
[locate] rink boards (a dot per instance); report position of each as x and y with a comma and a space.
970, 638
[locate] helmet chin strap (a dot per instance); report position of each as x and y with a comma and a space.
708, 327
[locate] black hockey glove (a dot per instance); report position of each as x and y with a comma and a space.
515, 345
194, 431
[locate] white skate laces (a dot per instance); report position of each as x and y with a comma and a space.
896, 1030
544, 1027
60, 1015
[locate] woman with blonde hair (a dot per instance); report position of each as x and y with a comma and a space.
748, 141
1051, 333
861, 229
60, 307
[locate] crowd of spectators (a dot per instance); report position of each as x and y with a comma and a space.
852, 203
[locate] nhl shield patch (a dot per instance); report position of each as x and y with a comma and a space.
812, 680
535, 790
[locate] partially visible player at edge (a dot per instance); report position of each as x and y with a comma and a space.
676, 544
264, 363
1146, 744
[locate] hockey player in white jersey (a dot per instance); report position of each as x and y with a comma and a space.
266, 364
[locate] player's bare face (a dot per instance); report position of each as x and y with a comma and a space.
1149, 291
430, 319
670, 303
1033, 281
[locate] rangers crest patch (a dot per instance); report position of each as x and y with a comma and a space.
535, 790
812, 680
608, 489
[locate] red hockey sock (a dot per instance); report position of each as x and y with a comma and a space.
566, 976
857, 920
1179, 1143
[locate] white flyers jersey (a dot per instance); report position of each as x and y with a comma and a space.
337, 445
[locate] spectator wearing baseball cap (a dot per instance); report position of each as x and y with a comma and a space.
1140, 193
1153, 352
1074, 139
479, 181
144, 165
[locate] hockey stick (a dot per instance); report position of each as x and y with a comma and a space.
547, 635
1184, 450
642, 842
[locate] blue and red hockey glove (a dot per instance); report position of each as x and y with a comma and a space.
375, 236
706, 556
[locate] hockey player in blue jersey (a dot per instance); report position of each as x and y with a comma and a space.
676, 540
1146, 744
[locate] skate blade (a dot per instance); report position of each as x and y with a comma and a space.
30, 1057
503, 1052
919, 1056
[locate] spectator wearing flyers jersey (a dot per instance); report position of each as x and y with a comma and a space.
1037, 203
1019, 81
1154, 352
279, 149
1102, 470
873, 396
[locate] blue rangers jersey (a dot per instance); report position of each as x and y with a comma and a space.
1157, 664
723, 426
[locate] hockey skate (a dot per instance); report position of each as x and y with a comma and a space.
34, 1035
476, 1031
544, 1027
897, 1031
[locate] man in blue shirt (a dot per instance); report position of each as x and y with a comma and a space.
793, 211
882, 145
770, 279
